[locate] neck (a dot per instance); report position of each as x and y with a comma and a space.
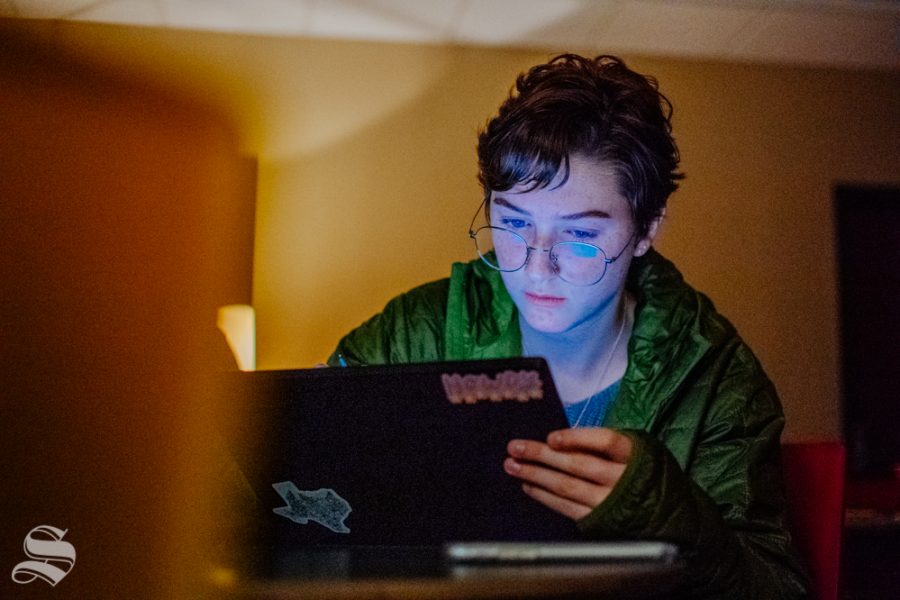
587, 358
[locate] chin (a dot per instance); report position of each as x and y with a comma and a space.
547, 323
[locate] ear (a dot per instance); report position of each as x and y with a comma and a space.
643, 244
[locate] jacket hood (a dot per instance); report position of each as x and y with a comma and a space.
675, 327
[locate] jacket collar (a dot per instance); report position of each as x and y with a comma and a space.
482, 321
670, 336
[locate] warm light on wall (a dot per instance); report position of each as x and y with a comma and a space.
238, 323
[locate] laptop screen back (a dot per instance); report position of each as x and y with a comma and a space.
397, 455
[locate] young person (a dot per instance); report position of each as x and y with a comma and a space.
675, 427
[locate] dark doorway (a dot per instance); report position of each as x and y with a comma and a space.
868, 231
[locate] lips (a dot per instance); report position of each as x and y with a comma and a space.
542, 300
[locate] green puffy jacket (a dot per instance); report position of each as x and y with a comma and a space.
705, 419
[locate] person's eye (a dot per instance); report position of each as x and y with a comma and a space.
581, 235
511, 223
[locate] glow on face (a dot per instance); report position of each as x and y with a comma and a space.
588, 207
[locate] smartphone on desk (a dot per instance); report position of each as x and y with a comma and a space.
545, 552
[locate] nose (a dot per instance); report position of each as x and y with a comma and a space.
539, 265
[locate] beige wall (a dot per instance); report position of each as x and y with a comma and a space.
367, 180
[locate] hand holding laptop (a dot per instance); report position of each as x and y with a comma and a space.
574, 471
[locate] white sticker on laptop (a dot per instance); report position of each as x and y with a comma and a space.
324, 506
506, 385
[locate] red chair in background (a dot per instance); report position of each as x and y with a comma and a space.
814, 474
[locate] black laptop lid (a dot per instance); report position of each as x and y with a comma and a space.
399, 455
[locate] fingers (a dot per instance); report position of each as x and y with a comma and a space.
586, 466
571, 509
607, 442
563, 486
574, 471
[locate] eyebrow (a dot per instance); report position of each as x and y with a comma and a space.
599, 214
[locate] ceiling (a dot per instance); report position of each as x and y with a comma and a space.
839, 33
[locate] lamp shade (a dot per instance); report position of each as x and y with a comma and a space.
238, 323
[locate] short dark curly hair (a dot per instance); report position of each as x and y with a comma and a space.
596, 107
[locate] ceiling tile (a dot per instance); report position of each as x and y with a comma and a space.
136, 12
847, 33
49, 9
827, 37
366, 20
577, 30
685, 28
259, 17
435, 17
511, 21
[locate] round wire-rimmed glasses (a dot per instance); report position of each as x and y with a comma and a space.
577, 263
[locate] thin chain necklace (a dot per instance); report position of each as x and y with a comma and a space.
609, 358
608, 362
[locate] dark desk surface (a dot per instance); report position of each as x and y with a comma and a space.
423, 573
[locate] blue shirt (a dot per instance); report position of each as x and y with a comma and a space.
591, 411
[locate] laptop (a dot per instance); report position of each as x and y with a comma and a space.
382, 471
405, 455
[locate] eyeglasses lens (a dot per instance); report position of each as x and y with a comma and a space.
577, 263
